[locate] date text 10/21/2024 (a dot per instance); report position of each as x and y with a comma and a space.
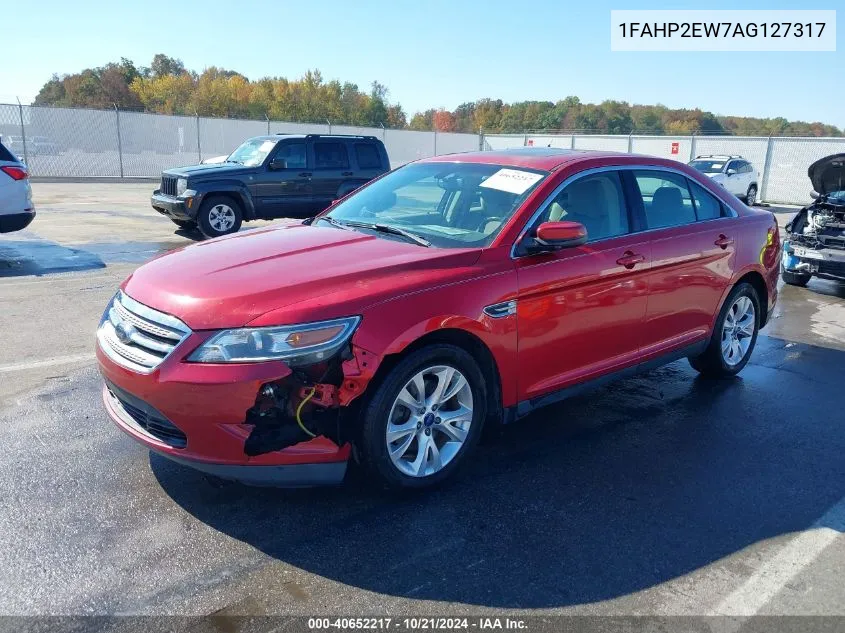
418, 624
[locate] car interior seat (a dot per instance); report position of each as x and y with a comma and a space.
668, 209
587, 202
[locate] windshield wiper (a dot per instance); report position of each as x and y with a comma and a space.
333, 222
393, 230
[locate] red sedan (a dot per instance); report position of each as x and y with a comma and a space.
453, 292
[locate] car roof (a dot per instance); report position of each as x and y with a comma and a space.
546, 158
281, 135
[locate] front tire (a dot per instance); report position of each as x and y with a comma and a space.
734, 335
751, 196
218, 216
424, 418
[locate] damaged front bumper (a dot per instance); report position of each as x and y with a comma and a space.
813, 260
259, 423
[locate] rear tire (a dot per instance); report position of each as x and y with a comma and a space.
734, 335
218, 216
435, 443
751, 196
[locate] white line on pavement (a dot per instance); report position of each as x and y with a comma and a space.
799, 552
49, 362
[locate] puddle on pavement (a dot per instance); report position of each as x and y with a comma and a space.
19, 258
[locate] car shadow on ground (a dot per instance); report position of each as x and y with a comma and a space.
613, 492
20, 258
827, 287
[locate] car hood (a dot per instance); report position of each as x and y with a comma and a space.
828, 174
291, 274
213, 169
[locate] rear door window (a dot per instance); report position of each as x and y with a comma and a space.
707, 207
367, 156
328, 155
666, 198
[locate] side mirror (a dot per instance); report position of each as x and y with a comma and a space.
557, 235
278, 163
814, 195
731, 172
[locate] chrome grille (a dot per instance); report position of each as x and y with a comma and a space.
168, 185
138, 337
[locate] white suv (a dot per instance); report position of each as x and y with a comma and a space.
16, 208
734, 173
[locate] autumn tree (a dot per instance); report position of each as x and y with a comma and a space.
166, 86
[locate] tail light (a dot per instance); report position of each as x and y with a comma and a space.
770, 253
15, 173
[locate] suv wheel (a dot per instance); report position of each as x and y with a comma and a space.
219, 216
751, 196
734, 335
425, 418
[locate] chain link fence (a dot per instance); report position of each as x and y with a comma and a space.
84, 143
781, 162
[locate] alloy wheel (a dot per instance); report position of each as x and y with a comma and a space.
738, 330
221, 217
429, 421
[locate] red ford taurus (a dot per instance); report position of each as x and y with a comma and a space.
453, 292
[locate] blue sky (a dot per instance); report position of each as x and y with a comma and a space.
436, 53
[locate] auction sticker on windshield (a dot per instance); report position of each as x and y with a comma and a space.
511, 180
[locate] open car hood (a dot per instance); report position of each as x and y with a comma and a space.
828, 174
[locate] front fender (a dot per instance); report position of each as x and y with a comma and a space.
228, 187
390, 327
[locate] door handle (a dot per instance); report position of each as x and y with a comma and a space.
723, 241
348, 173
630, 259
306, 174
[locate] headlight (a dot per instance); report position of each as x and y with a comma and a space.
295, 344
181, 185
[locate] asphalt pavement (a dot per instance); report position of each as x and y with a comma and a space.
664, 494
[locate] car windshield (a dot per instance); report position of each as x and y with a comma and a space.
252, 152
449, 205
708, 166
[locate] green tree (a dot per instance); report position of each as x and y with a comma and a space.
163, 65
423, 121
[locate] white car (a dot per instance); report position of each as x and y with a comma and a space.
734, 173
16, 207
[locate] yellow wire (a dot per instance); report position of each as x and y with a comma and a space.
299, 410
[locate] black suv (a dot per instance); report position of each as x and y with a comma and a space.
283, 175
